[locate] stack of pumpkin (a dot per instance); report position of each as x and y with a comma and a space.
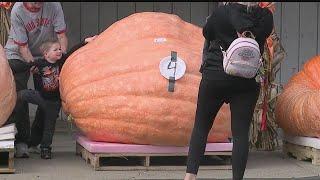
8, 89
113, 89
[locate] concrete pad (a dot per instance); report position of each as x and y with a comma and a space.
66, 165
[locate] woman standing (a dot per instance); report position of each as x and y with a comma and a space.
217, 87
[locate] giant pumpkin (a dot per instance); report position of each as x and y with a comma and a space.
298, 106
8, 93
113, 89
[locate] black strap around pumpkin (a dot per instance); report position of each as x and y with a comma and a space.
172, 78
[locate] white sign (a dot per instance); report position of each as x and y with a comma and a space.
175, 69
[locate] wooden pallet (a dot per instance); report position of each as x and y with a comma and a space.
153, 161
302, 152
7, 160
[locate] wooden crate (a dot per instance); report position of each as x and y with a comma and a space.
114, 156
302, 152
7, 160
144, 161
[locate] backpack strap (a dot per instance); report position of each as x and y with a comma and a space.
246, 34
223, 52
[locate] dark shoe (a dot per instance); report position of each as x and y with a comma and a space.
34, 149
45, 153
21, 150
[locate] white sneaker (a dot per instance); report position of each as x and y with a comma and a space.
34, 149
21, 150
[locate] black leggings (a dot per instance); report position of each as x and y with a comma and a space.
242, 94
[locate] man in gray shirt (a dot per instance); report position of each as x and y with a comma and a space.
32, 23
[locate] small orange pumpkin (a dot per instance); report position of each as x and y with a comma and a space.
298, 106
8, 93
113, 88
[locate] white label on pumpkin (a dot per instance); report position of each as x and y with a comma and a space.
159, 40
167, 68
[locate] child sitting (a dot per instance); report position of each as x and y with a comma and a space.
46, 94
